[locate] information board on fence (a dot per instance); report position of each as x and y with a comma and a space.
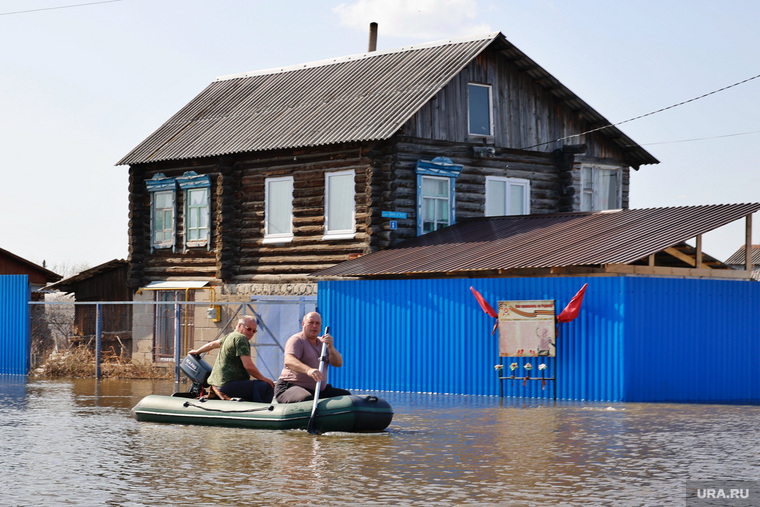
526, 328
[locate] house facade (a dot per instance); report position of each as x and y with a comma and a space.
269, 176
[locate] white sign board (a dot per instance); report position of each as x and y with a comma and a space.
527, 329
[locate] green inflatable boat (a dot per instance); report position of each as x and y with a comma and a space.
342, 413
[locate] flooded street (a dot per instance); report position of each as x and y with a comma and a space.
75, 442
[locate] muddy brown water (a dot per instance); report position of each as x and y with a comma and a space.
74, 442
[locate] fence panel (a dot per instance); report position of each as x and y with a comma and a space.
125, 328
14, 324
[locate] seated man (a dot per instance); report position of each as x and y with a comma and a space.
300, 375
234, 366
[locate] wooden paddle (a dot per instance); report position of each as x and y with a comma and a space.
312, 420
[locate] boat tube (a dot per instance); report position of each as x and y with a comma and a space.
342, 413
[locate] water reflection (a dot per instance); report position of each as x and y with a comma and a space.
75, 442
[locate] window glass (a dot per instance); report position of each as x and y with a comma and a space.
435, 203
517, 200
279, 208
507, 196
608, 186
600, 188
163, 218
163, 330
496, 197
197, 214
479, 108
339, 203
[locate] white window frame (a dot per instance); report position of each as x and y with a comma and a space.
470, 132
190, 182
438, 168
276, 198
345, 199
504, 208
591, 187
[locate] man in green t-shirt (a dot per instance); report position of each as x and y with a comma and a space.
234, 367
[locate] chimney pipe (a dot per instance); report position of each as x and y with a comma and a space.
372, 37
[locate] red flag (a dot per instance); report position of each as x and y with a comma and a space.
573, 307
483, 304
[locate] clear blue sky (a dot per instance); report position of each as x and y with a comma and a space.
81, 86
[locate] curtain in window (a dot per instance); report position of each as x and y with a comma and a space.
197, 210
496, 198
435, 203
340, 203
517, 204
279, 207
607, 189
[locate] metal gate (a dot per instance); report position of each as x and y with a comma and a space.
279, 318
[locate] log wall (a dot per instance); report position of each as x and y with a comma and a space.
528, 123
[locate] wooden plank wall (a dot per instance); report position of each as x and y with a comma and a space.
528, 116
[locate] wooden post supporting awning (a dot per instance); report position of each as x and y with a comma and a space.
748, 244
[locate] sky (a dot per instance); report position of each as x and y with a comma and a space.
82, 82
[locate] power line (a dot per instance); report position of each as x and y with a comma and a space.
59, 7
644, 115
704, 138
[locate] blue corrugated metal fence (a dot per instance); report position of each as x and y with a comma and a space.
14, 324
636, 339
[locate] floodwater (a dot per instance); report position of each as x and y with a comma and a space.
74, 442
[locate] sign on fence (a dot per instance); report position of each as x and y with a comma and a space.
526, 329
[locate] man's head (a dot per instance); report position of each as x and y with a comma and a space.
247, 325
312, 325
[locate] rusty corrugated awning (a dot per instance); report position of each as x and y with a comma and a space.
500, 244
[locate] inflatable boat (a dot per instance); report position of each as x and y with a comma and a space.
342, 413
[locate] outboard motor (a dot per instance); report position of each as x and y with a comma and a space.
197, 370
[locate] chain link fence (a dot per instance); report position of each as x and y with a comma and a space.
155, 336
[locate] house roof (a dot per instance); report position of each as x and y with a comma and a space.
357, 98
69, 284
483, 246
737, 258
12, 264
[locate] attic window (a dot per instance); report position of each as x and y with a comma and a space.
479, 110
162, 200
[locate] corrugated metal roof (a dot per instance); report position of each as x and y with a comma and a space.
68, 284
737, 258
363, 97
545, 241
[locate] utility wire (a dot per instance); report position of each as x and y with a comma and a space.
645, 115
703, 138
59, 7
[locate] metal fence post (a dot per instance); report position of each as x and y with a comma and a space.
177, 325
98, 338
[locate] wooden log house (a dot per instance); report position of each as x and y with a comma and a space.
268, 176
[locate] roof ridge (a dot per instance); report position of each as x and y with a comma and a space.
356, 56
